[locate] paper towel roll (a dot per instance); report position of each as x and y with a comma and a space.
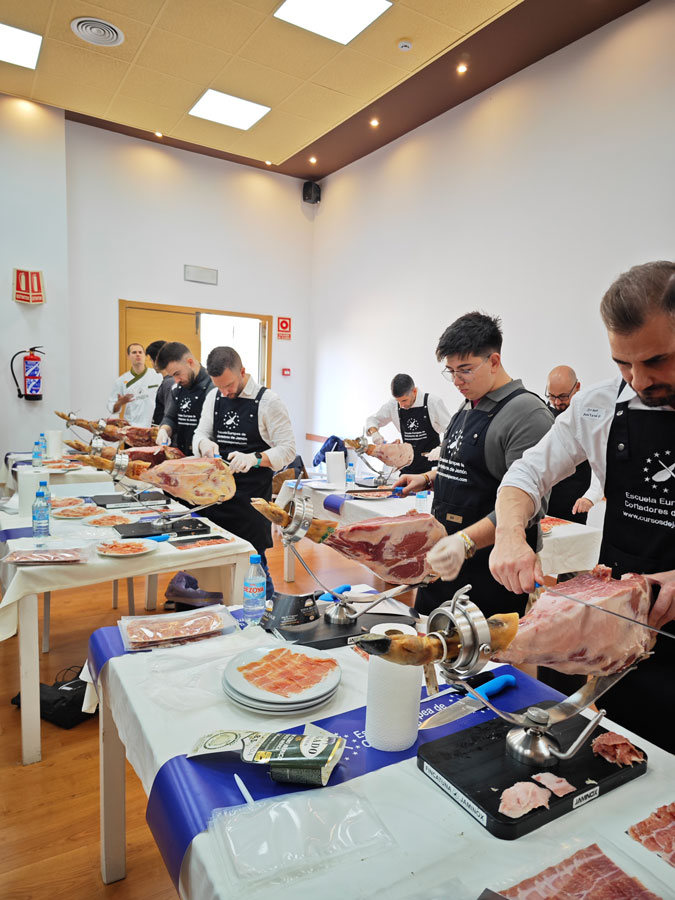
335, 468
54, 444
29, 483
393, 698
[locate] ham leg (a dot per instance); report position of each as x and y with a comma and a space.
199, 480
395, 455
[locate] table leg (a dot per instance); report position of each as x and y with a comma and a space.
289, 564
46, 610
116, 586
29, 679
151, 592
112, 795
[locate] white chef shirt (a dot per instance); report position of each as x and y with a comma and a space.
388, 412
139, 411
274, 424
580, 433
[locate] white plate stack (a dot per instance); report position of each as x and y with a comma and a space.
242, 691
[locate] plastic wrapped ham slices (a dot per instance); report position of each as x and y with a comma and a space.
146, 632
199, 480
46, 557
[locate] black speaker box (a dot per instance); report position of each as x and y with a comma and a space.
311, 192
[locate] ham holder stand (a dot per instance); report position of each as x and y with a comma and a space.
359, 446
470, 764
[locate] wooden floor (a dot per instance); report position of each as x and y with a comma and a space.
49, 828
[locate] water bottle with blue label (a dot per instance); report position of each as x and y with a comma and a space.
350, 476
40, 519
255, 588
44, 487
37, 455
421, 501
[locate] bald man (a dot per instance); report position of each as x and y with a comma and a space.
574, 496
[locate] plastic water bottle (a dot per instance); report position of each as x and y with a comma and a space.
421, 501
43, 444
44, 487
350, 476
255, 588
40, 518
37, 455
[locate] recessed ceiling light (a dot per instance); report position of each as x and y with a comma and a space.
19, 47
228, 110
374, 123
339, 20
312, 159
462, 68
158, 134
268, 162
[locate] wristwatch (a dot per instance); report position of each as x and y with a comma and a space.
258, 456
469, 545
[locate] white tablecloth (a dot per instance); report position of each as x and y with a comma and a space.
8, 474
164, 701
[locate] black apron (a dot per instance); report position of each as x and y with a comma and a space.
189, 402
465, 491
235, 428
566, 492
417, 430
639, 536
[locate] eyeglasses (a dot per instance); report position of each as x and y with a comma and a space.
463, 373
559, 397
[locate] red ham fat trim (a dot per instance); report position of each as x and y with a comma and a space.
616, 749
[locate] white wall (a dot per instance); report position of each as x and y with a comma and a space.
137, 212
524, 202
33, 235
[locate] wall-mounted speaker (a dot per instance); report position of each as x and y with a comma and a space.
311, 192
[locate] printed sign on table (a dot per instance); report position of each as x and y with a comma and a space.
283, 328
28, 287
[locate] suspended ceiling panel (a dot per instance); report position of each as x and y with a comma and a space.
321, 93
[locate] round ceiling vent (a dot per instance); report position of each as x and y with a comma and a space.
97, 31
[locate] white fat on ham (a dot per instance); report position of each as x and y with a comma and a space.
522, 798
394, 548
555, 784
396, 455
578, 640
199, 480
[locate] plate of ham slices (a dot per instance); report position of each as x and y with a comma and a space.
107, 521
125, 548
76, 512
281, 677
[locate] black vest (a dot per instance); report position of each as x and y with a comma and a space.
189, 402
417, 430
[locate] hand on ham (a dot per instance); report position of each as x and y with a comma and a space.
241, 462
514, 563
376, 437
663, 610
582, 505
411, 484
208, 448
163, 437
447, 557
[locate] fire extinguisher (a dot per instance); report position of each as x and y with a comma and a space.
32, 377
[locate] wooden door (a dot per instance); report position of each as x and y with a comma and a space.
154, 322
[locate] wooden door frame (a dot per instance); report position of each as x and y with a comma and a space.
268, 321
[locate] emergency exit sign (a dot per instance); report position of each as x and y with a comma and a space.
283, 328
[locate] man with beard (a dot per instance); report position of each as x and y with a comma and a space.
625, 427
164, 390
184, 407
572, 497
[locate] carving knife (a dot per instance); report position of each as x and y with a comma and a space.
469, 704
610, 612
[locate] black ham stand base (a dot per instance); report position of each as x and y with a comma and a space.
469, 764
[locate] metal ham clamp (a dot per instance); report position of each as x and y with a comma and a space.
360, 447
531, 740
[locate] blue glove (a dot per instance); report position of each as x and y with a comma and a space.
334, 443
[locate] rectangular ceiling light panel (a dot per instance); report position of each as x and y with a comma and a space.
228, 110
339, 20
19, 47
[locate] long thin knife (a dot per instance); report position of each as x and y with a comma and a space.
610, 612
